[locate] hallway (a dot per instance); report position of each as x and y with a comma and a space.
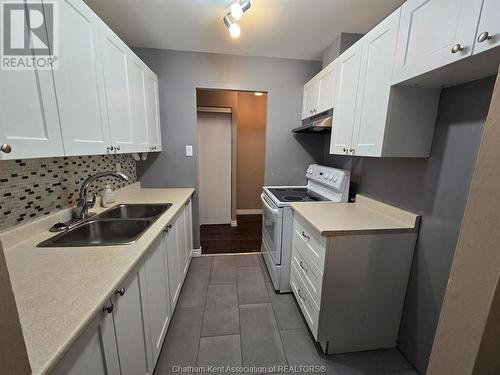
225, 239
229, 315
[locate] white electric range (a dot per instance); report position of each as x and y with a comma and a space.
324, 184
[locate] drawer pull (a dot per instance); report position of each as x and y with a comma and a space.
302, 266
300, 295
120, 291
108, 308
305, 235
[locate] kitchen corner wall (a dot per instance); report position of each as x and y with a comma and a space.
436, 188
30, 188
180, 73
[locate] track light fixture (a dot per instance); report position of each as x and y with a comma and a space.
235, 13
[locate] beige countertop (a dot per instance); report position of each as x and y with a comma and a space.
365, 216
59, 291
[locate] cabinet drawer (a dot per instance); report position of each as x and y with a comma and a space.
309, 242
310, 274
304, 300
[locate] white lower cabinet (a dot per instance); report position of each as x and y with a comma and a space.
351, 288
127, 336
157, 295
130, 327
94, 352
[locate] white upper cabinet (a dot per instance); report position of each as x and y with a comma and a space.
137, 76
118, 91
153, 111
345, 104
79, 82
310, 98
378, 48
319, 92
29, 123
327, 80
488, 32
434, 33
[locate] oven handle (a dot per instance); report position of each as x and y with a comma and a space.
273, 210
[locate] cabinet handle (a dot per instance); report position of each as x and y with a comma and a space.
165, 231
457, 48
484, 36
108, 308
110, 148
351, 150
344, 149
117, 148
305, 235
120, 291
5, 148
302, 266
300, 295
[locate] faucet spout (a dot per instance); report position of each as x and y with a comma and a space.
83, 204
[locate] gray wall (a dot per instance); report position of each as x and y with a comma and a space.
338, 46
180, 73
436, 188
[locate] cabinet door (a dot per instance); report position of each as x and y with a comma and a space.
130, 329
157, 298
118, 94
379, 47
189, 230
153, 111
428, 31
79, 81
94, 352
488, 32
310, 99
181, 238
327, 80
173, 265
29, 122
345, 103
137, 76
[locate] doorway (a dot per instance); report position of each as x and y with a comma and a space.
214, 167
231, 160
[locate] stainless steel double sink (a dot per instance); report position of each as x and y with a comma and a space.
120, 225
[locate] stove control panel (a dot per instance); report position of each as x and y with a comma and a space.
327, 176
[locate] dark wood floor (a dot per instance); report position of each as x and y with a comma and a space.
244, 238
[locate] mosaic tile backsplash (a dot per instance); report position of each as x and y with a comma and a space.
34, 187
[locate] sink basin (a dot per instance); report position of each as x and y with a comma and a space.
100, 233
135, 211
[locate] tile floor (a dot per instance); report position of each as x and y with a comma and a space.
228, 314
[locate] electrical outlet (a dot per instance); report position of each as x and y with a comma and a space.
189, 150
118, 167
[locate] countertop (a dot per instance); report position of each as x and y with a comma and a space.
364, 216
59, 291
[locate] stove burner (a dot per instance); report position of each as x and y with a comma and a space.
292, 198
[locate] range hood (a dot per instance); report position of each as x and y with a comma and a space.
317, 124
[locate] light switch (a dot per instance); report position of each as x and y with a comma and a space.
189, 150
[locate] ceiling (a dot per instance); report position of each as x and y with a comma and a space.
297, 29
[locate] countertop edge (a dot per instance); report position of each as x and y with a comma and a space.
65, 346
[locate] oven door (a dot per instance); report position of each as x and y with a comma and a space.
272, 223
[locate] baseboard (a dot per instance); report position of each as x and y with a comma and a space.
234, 223
196, 253
249, 211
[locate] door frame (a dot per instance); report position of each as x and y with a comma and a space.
234, 129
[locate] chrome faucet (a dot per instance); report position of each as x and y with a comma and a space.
83, 204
